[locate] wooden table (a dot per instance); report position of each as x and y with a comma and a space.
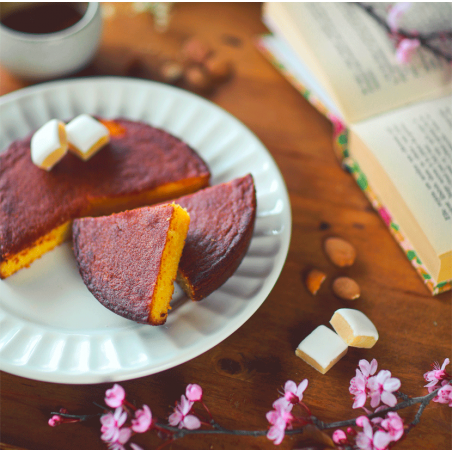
241, 375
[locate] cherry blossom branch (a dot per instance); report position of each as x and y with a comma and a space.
424, 39
378, 432
218, 429
80, 417
423, 400
402, 396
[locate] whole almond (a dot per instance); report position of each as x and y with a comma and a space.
340, 252
314, 280
346, 288
171, 71
219, 68
197, 79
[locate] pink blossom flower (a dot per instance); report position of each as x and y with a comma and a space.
282, 409
393, 424
437, 374
194, 393
367, 440
55, 420
294, 393
358, 384
444, 394
406, 49
395, 14
277, 431
181, 418
339, 437
115, 396
364, 439
381, 387
367, 368
280, 418
124, 436
111, 422
358, 389
142, 421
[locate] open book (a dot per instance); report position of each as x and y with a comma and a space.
397, 119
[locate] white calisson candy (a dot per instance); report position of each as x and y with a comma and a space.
322, 349
86, 136
355, 328
49, 144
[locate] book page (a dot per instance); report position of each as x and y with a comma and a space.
355, 59
298, 70
413, 145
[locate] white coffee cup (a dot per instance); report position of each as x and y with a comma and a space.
44, 56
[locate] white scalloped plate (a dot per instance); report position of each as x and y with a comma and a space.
52, 328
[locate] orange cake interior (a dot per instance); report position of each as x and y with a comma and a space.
106, 206
44, 244
175, 240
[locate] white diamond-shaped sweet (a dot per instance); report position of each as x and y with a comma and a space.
49, 144
86, 136
355, 328
322, 349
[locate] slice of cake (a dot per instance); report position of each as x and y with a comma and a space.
140, 166
129, 260
221, 226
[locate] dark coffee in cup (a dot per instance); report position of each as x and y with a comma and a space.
41, 18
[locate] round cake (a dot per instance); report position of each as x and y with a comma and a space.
141, 165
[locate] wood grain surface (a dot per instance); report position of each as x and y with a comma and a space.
241, 375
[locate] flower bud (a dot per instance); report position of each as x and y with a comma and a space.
115, 396
55, 420
339, 437
194, 393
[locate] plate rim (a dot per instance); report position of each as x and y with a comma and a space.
121, 374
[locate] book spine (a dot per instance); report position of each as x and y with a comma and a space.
341, 150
